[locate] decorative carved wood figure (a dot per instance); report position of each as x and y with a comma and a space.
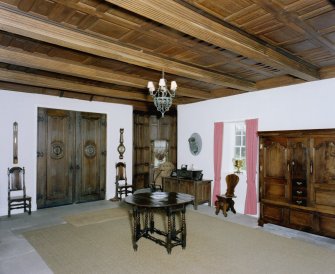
15, 143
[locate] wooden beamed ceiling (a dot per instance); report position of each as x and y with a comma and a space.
107, 50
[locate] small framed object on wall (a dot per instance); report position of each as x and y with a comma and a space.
121, 148
195, 144
15, 143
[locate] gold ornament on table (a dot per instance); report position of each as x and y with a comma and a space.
238, 164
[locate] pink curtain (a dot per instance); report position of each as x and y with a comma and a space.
218, 141
251, 157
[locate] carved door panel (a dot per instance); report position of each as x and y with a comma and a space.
71, 157
55, 158
90, 156
322, 166
322, 170
273, 168
298, 167
298, 156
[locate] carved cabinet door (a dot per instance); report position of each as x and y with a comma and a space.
71, 157
273, 168
322, 166
322, 171
298, 167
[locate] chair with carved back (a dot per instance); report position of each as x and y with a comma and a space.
225, 201
163, 170
122, 186
17, 197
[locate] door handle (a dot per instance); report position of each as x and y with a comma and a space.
77, 167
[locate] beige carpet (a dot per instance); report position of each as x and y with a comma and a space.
96, 217
213, 246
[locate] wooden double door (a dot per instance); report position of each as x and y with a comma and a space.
71, 157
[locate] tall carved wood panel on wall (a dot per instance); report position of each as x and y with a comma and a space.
141, 154
148, 128
71, 157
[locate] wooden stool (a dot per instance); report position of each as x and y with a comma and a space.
224, 203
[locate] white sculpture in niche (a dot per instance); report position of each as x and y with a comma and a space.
195, 144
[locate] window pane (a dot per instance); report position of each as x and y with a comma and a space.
237, 140
237, 152
240, 141
239, 126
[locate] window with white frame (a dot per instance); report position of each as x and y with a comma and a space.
239, 149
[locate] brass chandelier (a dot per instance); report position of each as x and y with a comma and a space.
162, 96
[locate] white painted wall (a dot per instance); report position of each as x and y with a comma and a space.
304, 106
22, 107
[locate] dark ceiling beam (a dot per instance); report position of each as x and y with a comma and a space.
19, 23
62, 84
137, 105
327, 72
218, 93
287, 18
279, 81
30, 79
176, 16
47, 63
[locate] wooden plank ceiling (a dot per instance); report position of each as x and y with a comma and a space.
107, 50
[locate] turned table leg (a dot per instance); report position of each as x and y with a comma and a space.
169, 234
137, 227
183, 228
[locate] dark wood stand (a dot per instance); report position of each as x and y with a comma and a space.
201, 190
173, 203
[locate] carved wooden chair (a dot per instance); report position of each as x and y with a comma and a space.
163, 170
17, 197
225, 202
122, 186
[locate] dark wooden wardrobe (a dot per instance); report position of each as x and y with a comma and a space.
297, 180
